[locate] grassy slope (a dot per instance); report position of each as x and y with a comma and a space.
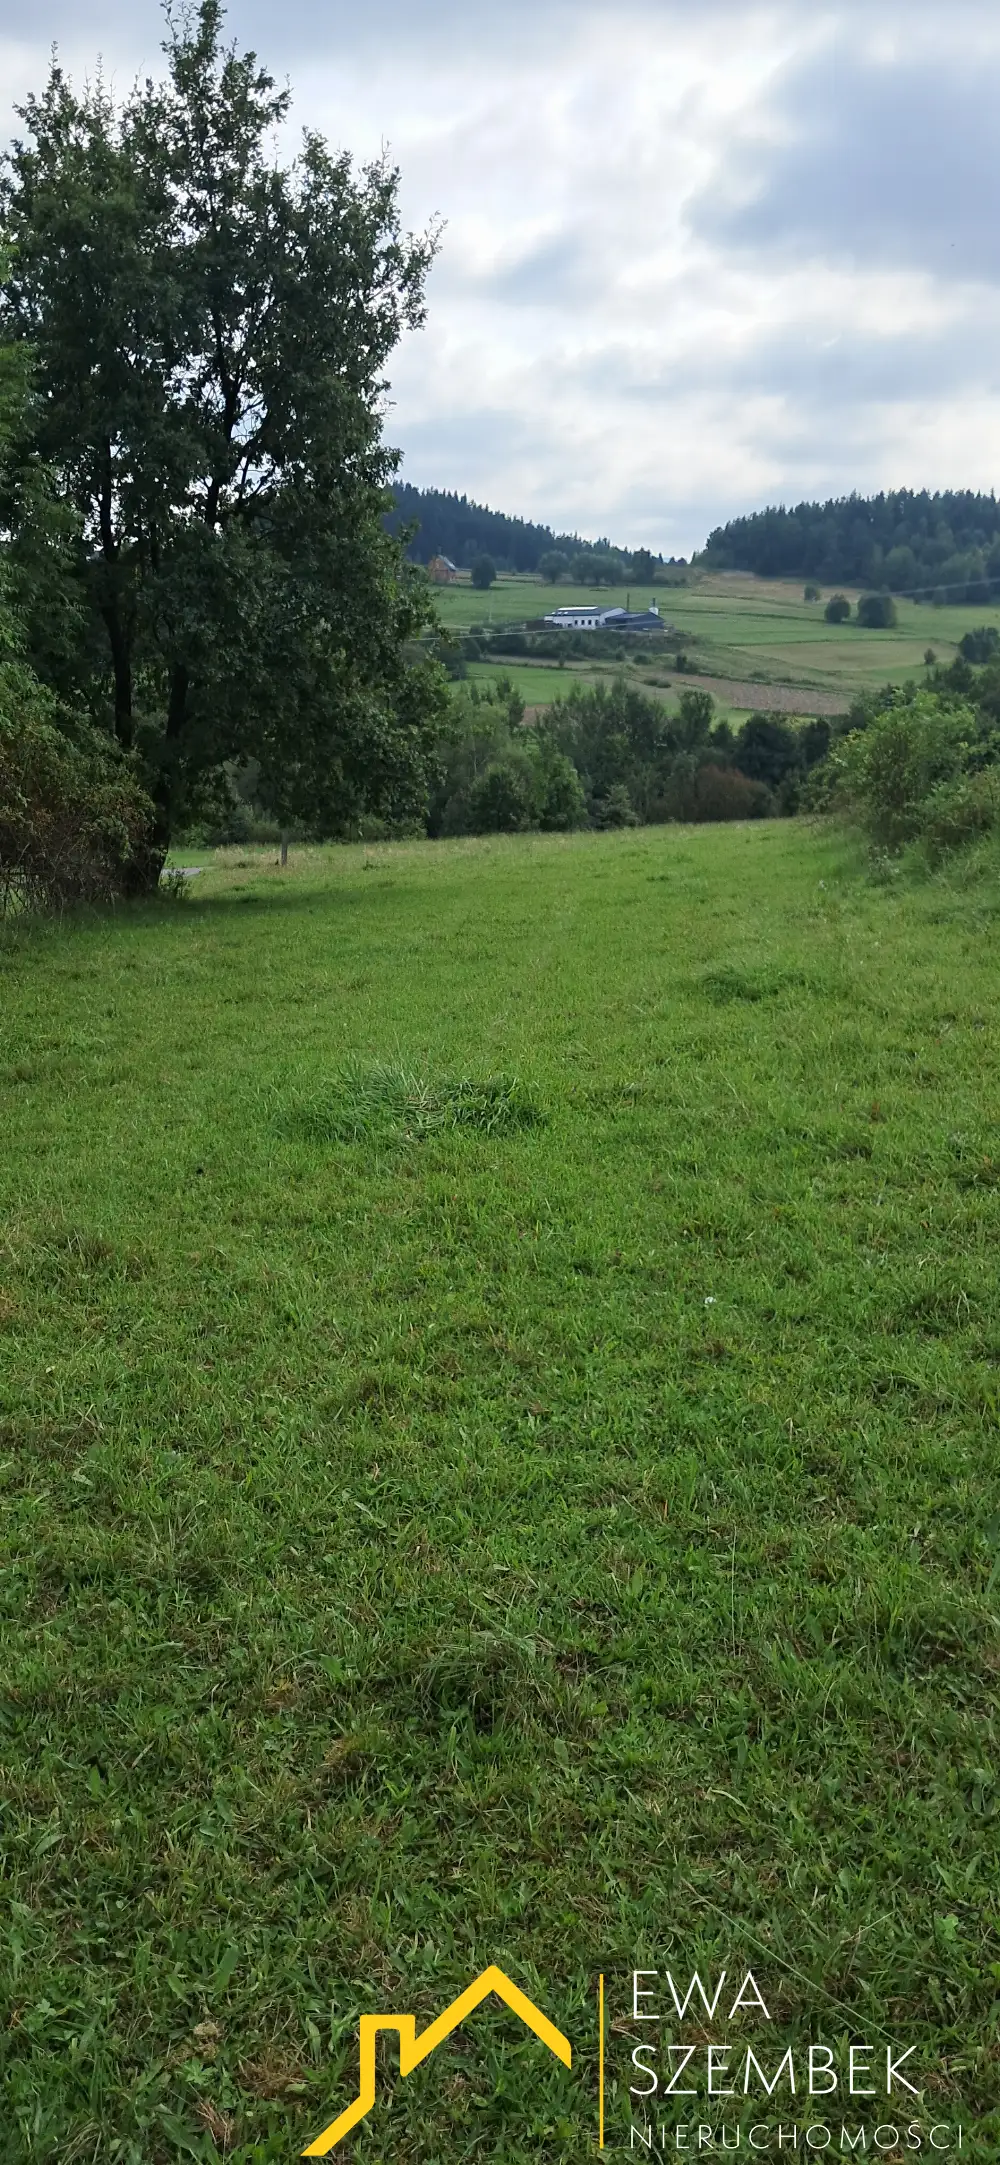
747, 628
572, 1547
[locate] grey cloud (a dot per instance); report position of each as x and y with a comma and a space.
316, 28
893, 163
456, 444
820, 375
859, 370
555, 274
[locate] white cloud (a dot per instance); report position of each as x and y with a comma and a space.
696, 256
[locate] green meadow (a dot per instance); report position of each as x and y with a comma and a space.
539, 684
748, 630
499, 1369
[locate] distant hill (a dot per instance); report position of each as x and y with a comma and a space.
450, 525
912, 542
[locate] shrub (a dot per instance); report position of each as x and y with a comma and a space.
721, 740
838, 609
501, 803
696, 712
228, 824
720, 793
959, 812
877, 612
614, 809
767, 749
561, 800
810, 593
616, 737
890, 774
484, 573
815, 740
75, 826
980, 645
483, 732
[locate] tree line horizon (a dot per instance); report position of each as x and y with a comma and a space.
934, 545
206, 554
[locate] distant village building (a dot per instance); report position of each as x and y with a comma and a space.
592, 618
442, 570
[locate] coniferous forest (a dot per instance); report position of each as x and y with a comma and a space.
449, 525
943, 545
946, 544
439, 522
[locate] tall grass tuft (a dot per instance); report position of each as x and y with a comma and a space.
387, 1102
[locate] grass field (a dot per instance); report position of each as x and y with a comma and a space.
499, 1368
540, 684
537, 684
745, 628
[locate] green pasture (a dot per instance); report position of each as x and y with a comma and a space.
539, 682
542, 683
519, 596
512, 599
499, 1370
749, 629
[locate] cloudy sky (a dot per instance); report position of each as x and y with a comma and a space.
697, 257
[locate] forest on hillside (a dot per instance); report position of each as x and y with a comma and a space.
943, 546
447, 524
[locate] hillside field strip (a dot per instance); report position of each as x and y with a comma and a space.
499, 1368
744, 633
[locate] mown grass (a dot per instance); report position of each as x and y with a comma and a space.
566, 1537
539, 684
745, 628
542, 686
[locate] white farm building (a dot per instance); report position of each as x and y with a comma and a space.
591, 617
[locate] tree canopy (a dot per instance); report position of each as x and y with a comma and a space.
943, 545
598, 567
553, 565
209, 333
438, 522
74, 822
876, 612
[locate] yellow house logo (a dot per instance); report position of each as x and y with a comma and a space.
413, 2049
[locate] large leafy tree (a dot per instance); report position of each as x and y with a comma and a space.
210, 332
74, 822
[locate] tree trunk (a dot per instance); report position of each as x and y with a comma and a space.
121, 660
177, 703
164, 791
111, 604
